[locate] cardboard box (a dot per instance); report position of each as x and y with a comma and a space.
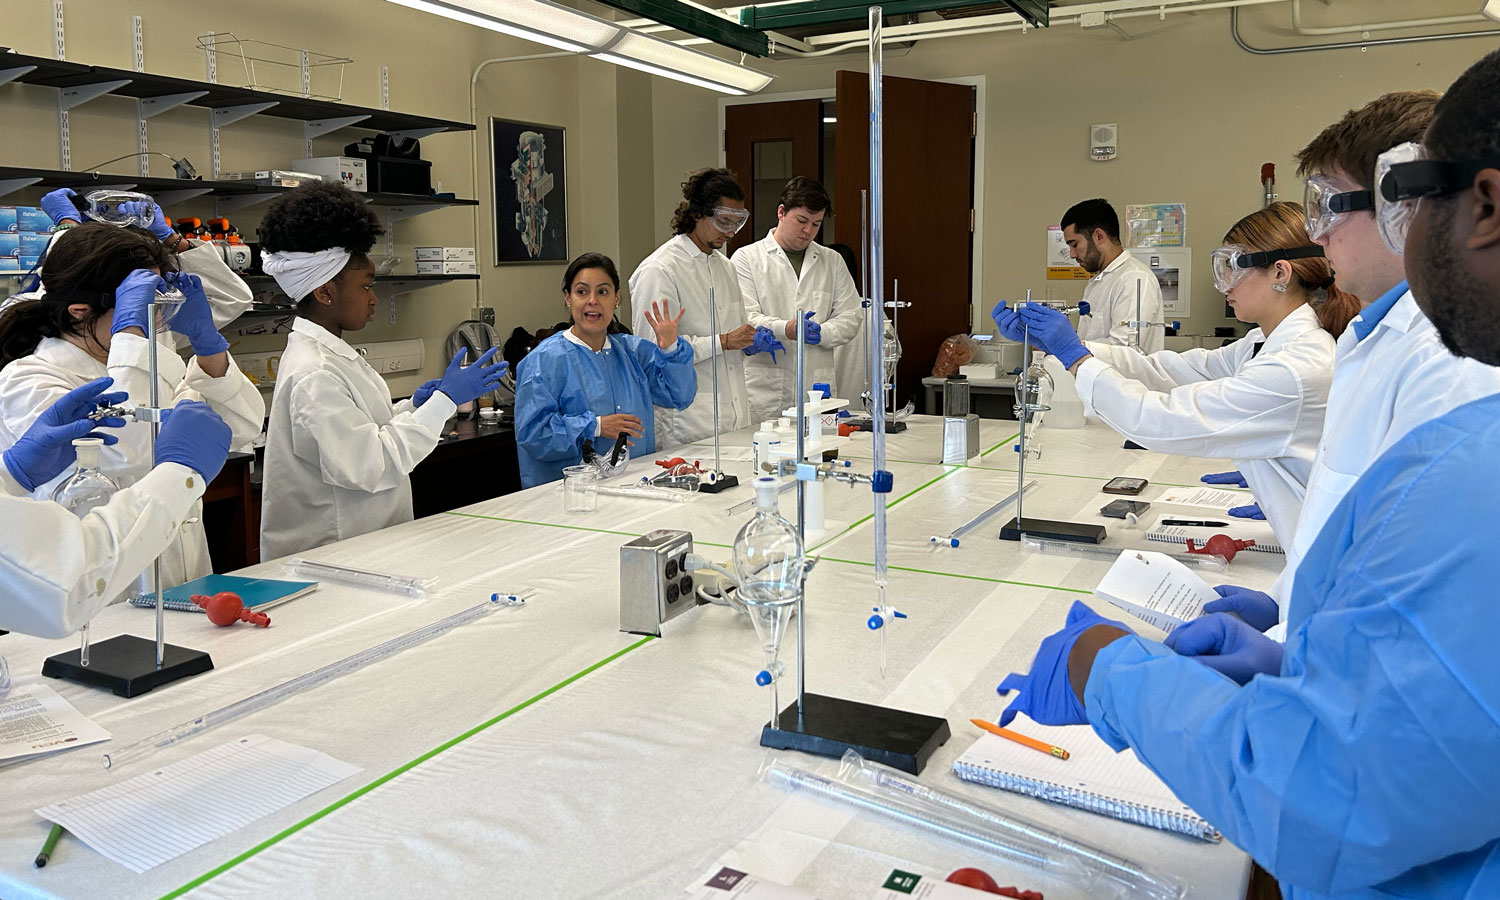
32, 244
8, 219
452, 254
29, 218
10, 247
446, 267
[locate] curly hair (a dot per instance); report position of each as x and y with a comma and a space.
700, 193
316, 217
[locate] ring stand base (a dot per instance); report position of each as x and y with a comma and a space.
127, 665
1076, 532
722, 483
891, 426
900, 739
1132, 445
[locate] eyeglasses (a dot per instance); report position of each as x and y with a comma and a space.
729, 220
1233, 262
1326, 207
1405, 175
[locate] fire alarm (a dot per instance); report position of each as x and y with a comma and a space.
1103, 141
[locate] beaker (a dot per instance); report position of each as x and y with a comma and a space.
580, 489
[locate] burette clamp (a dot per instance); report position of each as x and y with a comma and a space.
150, 414
882, 616
881, 481
113, 412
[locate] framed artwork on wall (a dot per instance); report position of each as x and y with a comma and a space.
528, 168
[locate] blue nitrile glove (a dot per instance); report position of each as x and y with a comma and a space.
765, 342
1084, 308
59, 205
194, 319
1008, 321
1045, 695
1225, 478
463, 383
193, 435
424, 391
812, 330
133, 298
1252, 511
1052, 331
1258, 609
158, 226
1227, 645
46, 449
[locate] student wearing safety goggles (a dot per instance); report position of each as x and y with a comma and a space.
1359, 763
1391, 371
1258, 401
684, 272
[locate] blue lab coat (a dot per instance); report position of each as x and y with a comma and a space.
562, 388
1368, 768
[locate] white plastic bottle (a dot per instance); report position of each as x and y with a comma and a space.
763, 441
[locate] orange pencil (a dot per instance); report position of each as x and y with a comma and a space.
1019, 738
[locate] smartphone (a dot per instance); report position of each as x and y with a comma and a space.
1119, 509
1123, 485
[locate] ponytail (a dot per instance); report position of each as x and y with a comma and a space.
24, 325
1337, 311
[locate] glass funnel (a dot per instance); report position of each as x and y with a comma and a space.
1033, 392
768, 563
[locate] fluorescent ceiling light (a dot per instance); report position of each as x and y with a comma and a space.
829, 120
532, 20
664, 58
1491, 8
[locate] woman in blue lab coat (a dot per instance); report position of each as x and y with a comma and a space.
585, 384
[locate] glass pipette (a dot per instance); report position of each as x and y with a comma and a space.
643, 491
1110, 554
273, 695
951, 540
410, 585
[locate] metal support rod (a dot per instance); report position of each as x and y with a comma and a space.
801, 514
155, 395
713, 329
1138, 322
1023, 411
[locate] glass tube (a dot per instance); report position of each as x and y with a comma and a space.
1109, 554
410, 585
273, 695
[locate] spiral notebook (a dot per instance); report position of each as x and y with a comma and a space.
256, 593
1240, 529
1095, 778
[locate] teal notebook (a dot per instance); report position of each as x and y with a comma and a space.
256, 593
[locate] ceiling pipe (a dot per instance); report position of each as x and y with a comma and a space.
1234, 31
1323, 31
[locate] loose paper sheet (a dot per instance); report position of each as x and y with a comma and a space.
1216, 499
163, 813
36, 719
1155, 588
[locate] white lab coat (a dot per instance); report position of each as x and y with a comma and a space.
57, 571
681, 274
1395, 379
228, 295
773, 292
1263, 410
31, 384
1111, 296
338, 454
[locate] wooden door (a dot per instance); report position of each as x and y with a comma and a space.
928, 197
765, 145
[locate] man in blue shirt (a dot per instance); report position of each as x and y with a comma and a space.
1365, 766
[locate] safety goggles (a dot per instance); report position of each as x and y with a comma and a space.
730, 220
1326, 207
1232, 262
1405, 175
123, 208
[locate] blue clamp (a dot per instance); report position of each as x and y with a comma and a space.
1016, 447
882, 481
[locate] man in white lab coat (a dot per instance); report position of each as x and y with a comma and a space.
786, 271
1391, 371
683, 272
1092, 230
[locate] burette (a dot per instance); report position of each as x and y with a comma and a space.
273, 695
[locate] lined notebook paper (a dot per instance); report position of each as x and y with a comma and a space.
159, 815
1240, 529
1095, 778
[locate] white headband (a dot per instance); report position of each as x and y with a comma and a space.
299, 274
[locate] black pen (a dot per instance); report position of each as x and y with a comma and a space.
1195, 522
